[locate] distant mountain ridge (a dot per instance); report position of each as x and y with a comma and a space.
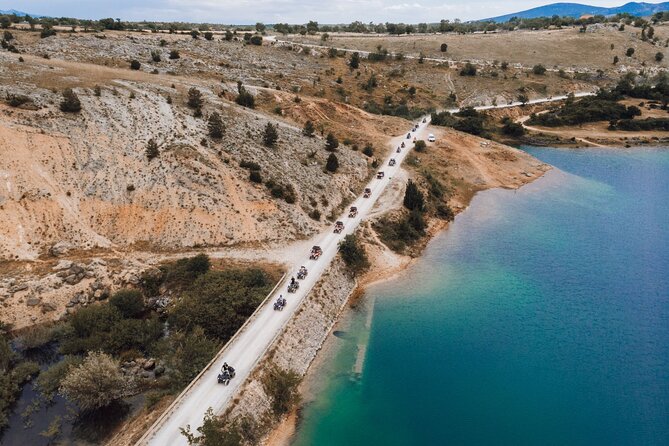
18, 13
577, 9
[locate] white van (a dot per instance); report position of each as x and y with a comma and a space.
431, 138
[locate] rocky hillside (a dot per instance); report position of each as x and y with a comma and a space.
83, 180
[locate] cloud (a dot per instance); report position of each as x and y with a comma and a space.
402, 7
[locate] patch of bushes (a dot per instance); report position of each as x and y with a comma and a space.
104, 327
511, 128
281, 386
220, 301
389, 108
13, 374
399, 233
368, 150
187, 353
270, 135
331, 142
49, 380
251, 165
589, 109
17, 100
640, 124
47, 31
466, 120
353, 254
278, 190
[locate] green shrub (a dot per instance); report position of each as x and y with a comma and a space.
539, 70
189, 353
255, 176
186, 270
17, 100
129, 303
270, 135
514, 129
152, 149
251, 165
308, 129
47, 31
281, 386
244, 98
413, 197
331, 143
589, 109
215, 126
354, 62
70, 102
468, 70
49, 380
353, 254
332, 163
194, 98
35, 337
220, 301
420, 146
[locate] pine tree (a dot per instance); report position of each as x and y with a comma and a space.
332, 163
270, 136
413, 197
245, 99
331, 143
194, 98
308, 129
215, 126
70, 102
355, 61
152, 149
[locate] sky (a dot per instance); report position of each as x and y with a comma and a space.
290, 11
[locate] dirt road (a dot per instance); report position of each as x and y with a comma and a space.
249, 345
245, 350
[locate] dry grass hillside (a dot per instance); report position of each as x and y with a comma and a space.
561, 48
84, 178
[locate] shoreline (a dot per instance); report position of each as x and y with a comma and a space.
380, 272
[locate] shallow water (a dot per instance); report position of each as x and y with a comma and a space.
540, 317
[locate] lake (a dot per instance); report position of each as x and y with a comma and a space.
540, 317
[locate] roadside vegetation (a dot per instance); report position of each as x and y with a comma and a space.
279, 384
152, 340
353, 254
14, 373
403, 230
605, 106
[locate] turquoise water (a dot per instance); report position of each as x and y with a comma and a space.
541, 317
